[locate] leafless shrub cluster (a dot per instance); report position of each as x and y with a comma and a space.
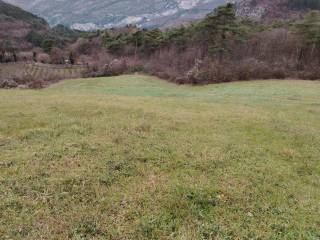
275, 54
112, 66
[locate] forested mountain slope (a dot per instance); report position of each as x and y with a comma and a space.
23, 30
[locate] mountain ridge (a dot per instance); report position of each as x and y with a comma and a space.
105, 14
98, 14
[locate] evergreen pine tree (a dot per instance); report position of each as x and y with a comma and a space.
153, 40
218, 27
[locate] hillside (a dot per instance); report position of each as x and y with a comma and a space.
9, 12
88, 15
275, 9
15, 24
134, 157
23, 32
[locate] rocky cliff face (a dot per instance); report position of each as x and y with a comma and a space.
268, 10
87, 15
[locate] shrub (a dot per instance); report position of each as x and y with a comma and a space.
8, 83
312, 72
43, 58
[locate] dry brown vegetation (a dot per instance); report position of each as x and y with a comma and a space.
275, 54
27, 75
221, 48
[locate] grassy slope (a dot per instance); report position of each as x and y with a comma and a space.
132, 157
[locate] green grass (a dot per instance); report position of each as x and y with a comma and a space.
134, 157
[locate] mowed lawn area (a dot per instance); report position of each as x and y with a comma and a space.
135, 157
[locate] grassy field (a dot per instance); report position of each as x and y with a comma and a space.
134, 157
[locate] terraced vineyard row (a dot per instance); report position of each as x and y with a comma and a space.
40, 71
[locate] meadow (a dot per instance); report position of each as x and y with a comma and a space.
135, 157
